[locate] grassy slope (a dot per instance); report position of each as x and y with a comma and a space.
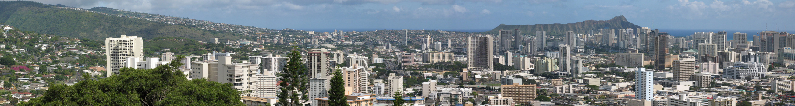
33, 16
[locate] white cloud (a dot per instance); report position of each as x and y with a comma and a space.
787, 4
292, 6
395, 8
460, 9
485, 11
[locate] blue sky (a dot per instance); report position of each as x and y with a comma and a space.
465, 14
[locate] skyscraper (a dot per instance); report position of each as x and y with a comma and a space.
542, 35
117, 50
480, 50
684, 68
505, 41
565, 58
740, 41
518, 40
571, 38
644, 84
318, 63
660, 48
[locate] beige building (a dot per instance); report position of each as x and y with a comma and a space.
638, 102
684, 68
522, 94
703, 80
356, 80
437, 57
355, 99
241, 75
395, 84
629, 59
500, 100
117, 50
257, 101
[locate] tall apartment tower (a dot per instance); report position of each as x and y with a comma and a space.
684, 68
117, 50
571, 38
720, 40
395, 84
740, 41
318, 63
319, 73
565, 58
543, 36
660, 49
518, 40
505, 41
480, 51
644, 84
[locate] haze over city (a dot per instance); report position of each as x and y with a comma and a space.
464, 14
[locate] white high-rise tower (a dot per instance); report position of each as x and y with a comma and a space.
117, 50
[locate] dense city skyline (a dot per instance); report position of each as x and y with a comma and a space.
464, 14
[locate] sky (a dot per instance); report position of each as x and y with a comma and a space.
464, 14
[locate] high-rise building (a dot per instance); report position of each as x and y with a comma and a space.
428, 88
707, 49
266, 85
565, 58
395, 84
518, 40
522, 94
719, 39
480, 51
273, 63
740, 41
703, 80
356, 79
660, 48
644, 84
117, 50
167, 56
629, 59
222, 70
571, 38
542, 36
545, 64
684, 68
318, 63
506, 37
318, 87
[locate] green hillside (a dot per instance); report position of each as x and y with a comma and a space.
49, 19
618, 22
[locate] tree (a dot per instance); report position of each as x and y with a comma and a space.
7, 60
543, 98
337, 92
744, 103
164, 85
398, 99
294, 81
485, 101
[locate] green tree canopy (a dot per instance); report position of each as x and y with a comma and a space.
164, 85
398, 99
7, 60
337, 92
293, 79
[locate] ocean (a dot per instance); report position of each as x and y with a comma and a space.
729, 36
674, 32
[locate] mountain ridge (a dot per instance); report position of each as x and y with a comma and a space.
84, 24
618, 22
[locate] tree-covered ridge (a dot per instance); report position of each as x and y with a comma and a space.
618, 22
164, 85
37, 17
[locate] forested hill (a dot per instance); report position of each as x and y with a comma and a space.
78, 23
618, 22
